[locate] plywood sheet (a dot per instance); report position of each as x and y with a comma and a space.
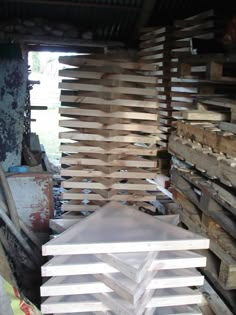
105, 232
89, 264
88, 303
90, 284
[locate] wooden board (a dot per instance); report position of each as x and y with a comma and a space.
112, 173
112, 195
204, 115
67, 221
126, 239
89, 264
77, 73
88, 303
105, 148
76, 124
81, 61
90, 284
104, 89
131, 138
86, 160
99, 113
124, 101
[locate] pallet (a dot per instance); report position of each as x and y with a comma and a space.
221, 256
204, 159
220, 264
194, 188
209, 135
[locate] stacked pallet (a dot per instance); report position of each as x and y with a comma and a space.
131, 266
110, 106
166, 47
204, 186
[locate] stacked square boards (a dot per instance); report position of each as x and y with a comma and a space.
110, 107
122, 261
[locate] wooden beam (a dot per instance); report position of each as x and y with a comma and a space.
51, 40
78, 4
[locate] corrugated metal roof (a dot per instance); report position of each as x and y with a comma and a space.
108, 19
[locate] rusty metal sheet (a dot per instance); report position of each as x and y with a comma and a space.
32, 193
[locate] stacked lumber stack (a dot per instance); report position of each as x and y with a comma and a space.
111, 108
166, 47
155, 48
204, 186
122, 261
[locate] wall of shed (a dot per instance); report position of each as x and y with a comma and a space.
13, 80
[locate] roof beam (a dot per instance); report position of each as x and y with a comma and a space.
78, 4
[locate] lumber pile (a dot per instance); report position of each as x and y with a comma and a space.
170, 48
204, 184
110, 107
122, 261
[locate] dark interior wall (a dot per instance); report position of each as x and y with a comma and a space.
13, 81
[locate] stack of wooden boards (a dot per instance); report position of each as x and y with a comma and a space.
111, 109
122, 261
204, 186
170, 48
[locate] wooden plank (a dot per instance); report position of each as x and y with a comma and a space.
76, 159
77, 73
75, 123
68, 220
77, 183
88, 303
105, 149
89, 284
73, 135
99, 113
74, 194
104, 89
127, 239
93, 173
204, 115
81, 61
89, 264
89, 99
213, 164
